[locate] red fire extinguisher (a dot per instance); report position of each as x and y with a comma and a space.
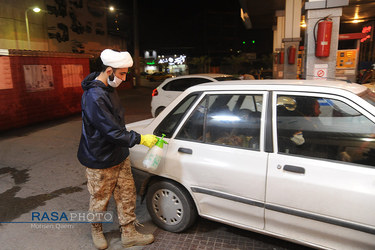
276, 58
281, 57
292, 55
323, 39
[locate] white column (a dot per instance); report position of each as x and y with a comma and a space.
292, 35
278, 36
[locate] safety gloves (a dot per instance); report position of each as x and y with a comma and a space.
148, 140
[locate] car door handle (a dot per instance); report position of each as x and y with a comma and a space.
294, 169
185, 151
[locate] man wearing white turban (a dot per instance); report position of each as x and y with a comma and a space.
104, 148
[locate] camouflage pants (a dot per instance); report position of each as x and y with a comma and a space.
118, 180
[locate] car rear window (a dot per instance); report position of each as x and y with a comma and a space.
226, 78
184, 83
324, 128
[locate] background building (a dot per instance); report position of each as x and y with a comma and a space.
78, 26
45, 55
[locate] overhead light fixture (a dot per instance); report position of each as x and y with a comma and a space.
246, 19
245, 14
303, 22
356, 17
36, 10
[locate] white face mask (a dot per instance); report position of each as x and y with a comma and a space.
115, 83
298, 138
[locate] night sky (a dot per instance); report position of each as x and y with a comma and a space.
197, 27
200, 27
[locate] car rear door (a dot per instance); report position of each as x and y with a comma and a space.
217, 154
321, 177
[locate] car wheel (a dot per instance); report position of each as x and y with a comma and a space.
158, 111
170, 206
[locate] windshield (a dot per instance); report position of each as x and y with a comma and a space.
226, 78
368, 96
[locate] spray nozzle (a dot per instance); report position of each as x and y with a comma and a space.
160, 142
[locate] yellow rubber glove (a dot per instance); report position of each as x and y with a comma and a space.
148, 140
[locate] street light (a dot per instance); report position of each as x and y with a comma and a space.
36, 10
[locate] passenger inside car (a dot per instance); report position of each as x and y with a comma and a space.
306, 132
241, 128
230, 120
219, 119
304, 121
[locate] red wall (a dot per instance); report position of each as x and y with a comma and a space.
18, 107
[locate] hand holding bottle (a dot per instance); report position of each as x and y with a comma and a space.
148, 140
154, 155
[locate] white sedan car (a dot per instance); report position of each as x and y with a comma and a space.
168, 90
292, 159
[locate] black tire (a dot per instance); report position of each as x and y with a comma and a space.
170, 206
158, 111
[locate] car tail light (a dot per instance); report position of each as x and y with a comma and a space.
155, 92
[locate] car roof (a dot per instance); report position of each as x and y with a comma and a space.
281, 84
210, 76
213, 75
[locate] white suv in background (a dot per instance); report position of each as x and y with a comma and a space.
167, 91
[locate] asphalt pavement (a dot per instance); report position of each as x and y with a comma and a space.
40, 173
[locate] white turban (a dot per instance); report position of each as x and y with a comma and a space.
116, 59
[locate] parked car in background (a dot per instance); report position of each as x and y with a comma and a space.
158, 76
287, 158
166, 92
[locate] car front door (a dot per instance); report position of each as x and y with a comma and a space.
217, 154
321, 176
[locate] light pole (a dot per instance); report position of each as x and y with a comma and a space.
136, 45
36, 10
136, 42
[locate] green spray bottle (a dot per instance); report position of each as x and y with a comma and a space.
154, 154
